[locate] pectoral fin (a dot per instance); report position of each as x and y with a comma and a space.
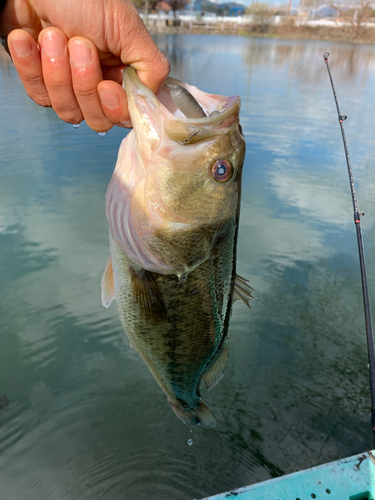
216, 372
147, 293
108, 289
242, 291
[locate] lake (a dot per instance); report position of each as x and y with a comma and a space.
86, 419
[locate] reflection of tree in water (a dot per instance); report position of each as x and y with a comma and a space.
304, 59
191, 56
176, 53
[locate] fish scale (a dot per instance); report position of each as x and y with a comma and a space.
178, 349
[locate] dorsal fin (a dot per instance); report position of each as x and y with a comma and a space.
216, 372
147, 293
242, 291
108, 289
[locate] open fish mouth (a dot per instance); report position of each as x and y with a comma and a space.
176, 184
186, 105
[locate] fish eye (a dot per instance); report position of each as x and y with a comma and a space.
222, 170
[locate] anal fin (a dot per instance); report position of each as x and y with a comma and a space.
242, 291
108, 288
147, 293
217, 370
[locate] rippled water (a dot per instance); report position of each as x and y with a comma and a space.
86, 419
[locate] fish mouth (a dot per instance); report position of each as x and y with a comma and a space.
217, 111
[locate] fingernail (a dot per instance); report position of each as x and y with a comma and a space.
22, 47
80, 54
53, 44
109, 98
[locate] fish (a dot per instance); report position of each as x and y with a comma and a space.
172, 207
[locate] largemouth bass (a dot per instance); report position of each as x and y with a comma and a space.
173, 207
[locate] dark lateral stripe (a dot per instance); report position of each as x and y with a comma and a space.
2, 4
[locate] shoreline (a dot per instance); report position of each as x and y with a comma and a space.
344, 34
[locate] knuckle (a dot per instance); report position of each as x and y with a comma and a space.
33, 80
36, 89
84, 93
56, 86
165, 66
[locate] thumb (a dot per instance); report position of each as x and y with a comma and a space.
136, 47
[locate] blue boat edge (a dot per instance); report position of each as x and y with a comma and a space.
350, 478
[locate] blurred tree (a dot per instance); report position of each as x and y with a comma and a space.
355, 14
139, 4
262, 14
177, 5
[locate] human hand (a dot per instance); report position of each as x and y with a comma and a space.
83, 47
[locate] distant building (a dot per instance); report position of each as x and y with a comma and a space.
232, 9
326, 11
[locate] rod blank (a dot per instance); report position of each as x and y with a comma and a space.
357, 222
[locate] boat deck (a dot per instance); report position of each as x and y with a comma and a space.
348, 479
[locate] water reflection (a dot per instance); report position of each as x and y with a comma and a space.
350, 63
188, 55
85, 418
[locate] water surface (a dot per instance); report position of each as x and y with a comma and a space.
86, 419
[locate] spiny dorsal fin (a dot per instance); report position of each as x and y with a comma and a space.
242, 291
216, 372
108, 289
147, 293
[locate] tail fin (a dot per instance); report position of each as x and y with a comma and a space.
201, 415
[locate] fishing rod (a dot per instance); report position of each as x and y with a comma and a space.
357, 222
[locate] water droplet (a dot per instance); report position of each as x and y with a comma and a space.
191, 430
190, 442
76, 125
102, 134
85, 340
